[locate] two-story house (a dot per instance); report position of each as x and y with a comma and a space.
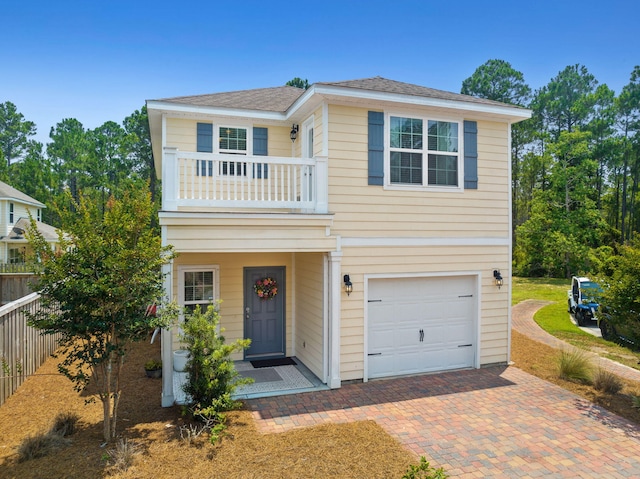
361, 226
15, 207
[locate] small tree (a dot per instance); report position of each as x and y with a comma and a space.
212, 375
95, 291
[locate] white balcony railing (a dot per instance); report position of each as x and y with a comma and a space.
239, 181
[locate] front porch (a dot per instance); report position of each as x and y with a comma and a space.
302, 321
269, 381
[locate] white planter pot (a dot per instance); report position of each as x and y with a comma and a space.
180, 358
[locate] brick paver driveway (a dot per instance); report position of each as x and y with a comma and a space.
493, 422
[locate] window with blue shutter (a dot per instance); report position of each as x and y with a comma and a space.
204, 145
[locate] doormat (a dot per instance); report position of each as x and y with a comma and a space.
272, 363
268, 375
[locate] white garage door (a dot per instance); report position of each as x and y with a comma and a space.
417, 325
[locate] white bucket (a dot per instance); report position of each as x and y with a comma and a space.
180, 358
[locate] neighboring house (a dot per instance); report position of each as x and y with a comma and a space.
381, 210
15, 208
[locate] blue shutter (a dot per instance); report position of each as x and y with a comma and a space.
471, 155
376, 148
204, 144
205, 137
260, 148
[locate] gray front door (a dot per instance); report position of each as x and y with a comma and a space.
264, 317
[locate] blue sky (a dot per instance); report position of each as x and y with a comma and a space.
98, 61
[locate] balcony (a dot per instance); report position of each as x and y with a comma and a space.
225, 182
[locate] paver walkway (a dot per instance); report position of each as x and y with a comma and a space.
496, 422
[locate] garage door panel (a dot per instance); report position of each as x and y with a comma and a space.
444, 308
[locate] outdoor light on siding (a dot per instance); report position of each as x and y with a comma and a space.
294, 132
348, 285
498, 278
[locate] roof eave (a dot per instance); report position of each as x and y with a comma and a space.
510, 113
171, 107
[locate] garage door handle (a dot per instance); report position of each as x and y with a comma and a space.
374, 354
466, 296
465, 345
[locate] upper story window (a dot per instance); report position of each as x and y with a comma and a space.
231, 140
408, 151
11, 213
38, 214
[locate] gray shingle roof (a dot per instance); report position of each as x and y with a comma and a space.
10, 192
23, 224
264, 99
279, 99
385, 85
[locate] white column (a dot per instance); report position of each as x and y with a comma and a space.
335, 292
170, 179
166, 336
322, 184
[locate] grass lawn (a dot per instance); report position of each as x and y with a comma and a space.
556, 320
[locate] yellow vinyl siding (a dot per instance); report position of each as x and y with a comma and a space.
181, 134
364, 210
309, 284
279, 142
361, 261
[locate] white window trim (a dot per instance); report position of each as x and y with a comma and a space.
216, 139
308, 124
182, 269
425, 121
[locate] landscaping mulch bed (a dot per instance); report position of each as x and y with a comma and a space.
354, 450
360, 449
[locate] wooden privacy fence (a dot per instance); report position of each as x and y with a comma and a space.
22, 348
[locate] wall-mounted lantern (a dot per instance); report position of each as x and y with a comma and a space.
348, 285
294, 132
498, 278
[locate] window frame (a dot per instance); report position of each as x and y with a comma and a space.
182, 269
425, 118
205, 167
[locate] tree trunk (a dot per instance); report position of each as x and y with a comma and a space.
624, 196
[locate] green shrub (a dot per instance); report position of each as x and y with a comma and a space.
635, 402
575, 366
424, 471
212, 377
606, 381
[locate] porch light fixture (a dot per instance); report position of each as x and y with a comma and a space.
294, 132
348, 285
498, 278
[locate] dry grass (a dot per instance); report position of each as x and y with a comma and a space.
541, 361
354, 450
360, 449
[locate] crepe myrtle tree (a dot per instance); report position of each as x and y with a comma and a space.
95, 291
